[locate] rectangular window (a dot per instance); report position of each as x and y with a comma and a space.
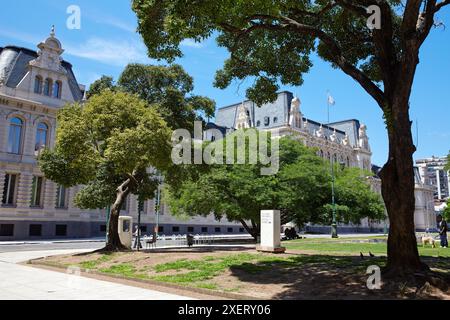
35, 230
160, 229
175, 229
241, 230
217, 230
61, 230
9, 190
6, 230
124, 205
61, 198
103, 228
230, 230
143, 229
190, 229
204, 229
36, 192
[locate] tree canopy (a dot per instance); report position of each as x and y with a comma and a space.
169, 89
301, 190
107, 145
105, 82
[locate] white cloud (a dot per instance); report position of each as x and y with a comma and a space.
112, 52
191, 44
21, 36
113, 22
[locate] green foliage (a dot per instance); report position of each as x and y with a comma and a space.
112, 138
447, 167
263, 38
169, 90
301, 190
446, 212
104, 83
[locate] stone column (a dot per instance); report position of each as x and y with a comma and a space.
438, 184
24, 190
49, 200
29, 139
2, 183
4, 133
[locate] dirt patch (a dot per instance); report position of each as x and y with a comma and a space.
294, 275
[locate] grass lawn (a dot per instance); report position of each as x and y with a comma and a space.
311, 268
351, 247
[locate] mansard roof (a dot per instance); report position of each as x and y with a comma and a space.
14, 65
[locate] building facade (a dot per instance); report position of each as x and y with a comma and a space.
344, 142
34, 85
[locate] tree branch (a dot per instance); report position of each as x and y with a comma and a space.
339, 59
440, 5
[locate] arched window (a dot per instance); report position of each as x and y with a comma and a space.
41, 136
15, 135
38, 85
48, 87
57, 89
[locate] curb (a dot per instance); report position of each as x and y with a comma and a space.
86, 272
15, 243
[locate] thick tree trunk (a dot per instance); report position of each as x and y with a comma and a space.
114, 243
397, 178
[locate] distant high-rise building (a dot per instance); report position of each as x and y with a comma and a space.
432, 172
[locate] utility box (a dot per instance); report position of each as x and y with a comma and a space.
126, 231
270, 232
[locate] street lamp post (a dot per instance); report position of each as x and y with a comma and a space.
138, 236
108, 214
158, 201
334, 233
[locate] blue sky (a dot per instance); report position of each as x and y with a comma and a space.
107, 41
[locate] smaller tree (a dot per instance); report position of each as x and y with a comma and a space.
300, 190
354, 199
107, 145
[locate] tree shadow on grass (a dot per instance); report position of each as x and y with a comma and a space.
325, 277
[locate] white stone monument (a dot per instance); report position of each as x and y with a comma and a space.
270, 232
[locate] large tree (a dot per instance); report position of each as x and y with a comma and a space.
108, 145
300, 190
272, 41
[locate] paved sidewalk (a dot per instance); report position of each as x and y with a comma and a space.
19, 282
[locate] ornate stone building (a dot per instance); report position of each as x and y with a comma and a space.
34, 85
345, 142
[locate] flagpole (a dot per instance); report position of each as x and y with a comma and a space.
334, 233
